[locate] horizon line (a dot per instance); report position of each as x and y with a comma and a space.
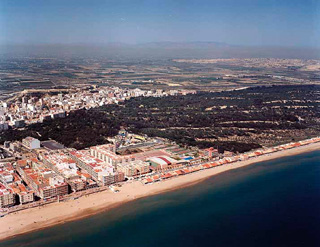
151, 42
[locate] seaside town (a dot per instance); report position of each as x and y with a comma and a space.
35, 173
28, 108
159, 123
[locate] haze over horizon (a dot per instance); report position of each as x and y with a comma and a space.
292, 23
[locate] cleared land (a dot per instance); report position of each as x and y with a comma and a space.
18, 73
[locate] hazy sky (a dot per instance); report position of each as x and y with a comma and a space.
243, 22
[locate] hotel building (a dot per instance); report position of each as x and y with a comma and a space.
44, 181
101, 171
136, 168
66, 167
10, 179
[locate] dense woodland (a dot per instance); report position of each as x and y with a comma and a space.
233, 120
78, 130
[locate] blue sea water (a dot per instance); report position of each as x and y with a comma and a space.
274, 203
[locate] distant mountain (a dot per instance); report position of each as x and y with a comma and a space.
180, 45
158, 50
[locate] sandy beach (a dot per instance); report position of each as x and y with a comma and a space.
57, 213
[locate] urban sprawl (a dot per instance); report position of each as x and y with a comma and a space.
29, 109
46, 172
35, 173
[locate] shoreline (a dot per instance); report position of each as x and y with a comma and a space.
38, 218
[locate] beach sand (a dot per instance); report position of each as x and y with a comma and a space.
57, 213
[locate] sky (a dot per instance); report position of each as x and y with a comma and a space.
236, 22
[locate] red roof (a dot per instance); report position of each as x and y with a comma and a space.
206, 166
179, 172
165, 160
186, 170
156, 177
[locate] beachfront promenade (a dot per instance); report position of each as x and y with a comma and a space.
57, 213
156, 177
160, 176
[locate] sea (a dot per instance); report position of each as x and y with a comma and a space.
273, 203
